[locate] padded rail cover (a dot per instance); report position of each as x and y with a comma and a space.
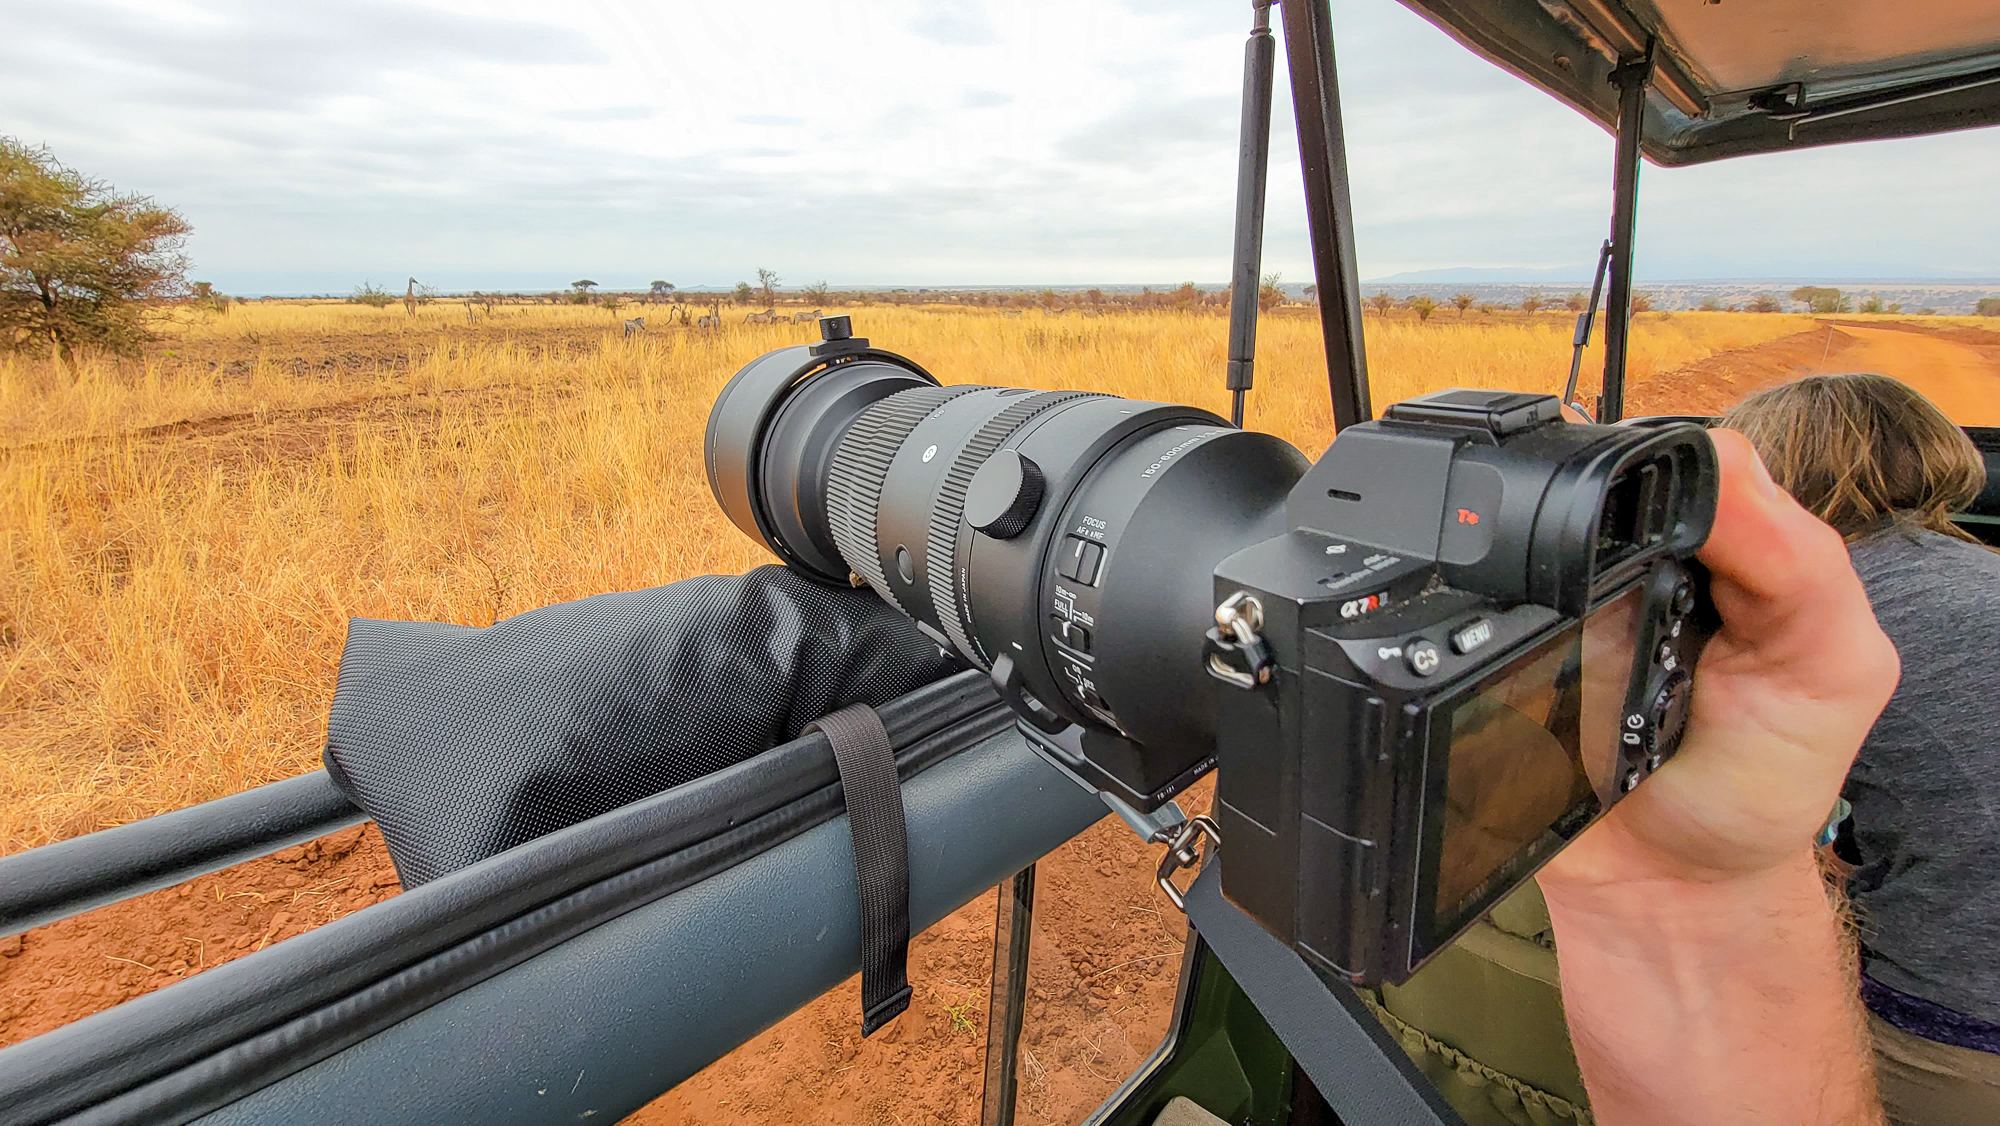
980, 806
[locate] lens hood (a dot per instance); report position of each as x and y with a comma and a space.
756, 462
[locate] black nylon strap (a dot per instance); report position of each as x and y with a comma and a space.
874, 799
1363, 1074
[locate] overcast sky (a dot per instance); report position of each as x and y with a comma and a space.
505, 144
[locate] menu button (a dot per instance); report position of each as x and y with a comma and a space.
1471, 637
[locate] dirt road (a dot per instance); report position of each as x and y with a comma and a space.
1962, 379
1957, 368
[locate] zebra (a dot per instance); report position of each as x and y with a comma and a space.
634, 326
804, 318
763, 318
710, 319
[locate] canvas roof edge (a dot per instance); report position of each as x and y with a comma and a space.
1569, 48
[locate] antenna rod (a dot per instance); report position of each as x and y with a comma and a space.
1583, 323
1253, 166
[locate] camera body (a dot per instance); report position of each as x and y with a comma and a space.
1476, 637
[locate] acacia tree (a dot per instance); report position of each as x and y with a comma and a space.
767, 285
1422, 305
1821, 299
80, 261
1462, 302
1270, 295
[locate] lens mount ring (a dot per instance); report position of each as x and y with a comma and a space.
861, 464
942, 541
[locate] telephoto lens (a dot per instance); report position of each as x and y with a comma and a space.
1064, 541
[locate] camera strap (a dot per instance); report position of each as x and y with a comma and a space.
1361, 1072
874, 797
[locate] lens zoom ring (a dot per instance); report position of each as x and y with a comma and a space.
942, 542
861, 464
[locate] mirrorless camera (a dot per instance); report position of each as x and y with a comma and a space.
1421, 664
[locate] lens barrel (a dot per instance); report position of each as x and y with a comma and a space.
957, 505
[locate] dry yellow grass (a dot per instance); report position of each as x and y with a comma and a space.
174, 600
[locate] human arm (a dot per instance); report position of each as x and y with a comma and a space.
1702, 965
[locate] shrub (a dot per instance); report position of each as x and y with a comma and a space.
371, 295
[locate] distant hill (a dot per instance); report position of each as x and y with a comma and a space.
1489, 275
1956, 295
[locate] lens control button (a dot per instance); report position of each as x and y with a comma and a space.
1423, 656
1079, 560
1472, 636
1003, 496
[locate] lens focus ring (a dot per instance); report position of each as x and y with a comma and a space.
861, 464
942, 542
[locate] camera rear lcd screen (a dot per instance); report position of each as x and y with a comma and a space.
1512, 770
1530, 751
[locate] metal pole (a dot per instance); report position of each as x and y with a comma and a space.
1583, 323
1329, 206
1253, 165
1008, 999
1631, 78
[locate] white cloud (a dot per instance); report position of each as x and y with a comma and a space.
515, 144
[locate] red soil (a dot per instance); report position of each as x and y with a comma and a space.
70, 969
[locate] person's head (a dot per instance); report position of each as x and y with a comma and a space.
1860, 450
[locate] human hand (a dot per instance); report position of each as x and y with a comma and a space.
1783, 696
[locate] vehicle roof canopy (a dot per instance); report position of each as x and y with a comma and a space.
1735, 77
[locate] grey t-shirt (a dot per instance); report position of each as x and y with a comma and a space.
1926, 787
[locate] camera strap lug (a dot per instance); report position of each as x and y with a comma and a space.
1184, 851
1234, 652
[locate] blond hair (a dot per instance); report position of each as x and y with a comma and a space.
1860, 451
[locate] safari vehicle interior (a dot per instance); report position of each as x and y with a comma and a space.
643, 944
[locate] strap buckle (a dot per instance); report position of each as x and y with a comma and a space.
1235, 654
1184, 851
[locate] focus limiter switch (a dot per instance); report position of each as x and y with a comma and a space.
1070, 634
1078, 560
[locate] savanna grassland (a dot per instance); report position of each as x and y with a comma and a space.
185, 537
